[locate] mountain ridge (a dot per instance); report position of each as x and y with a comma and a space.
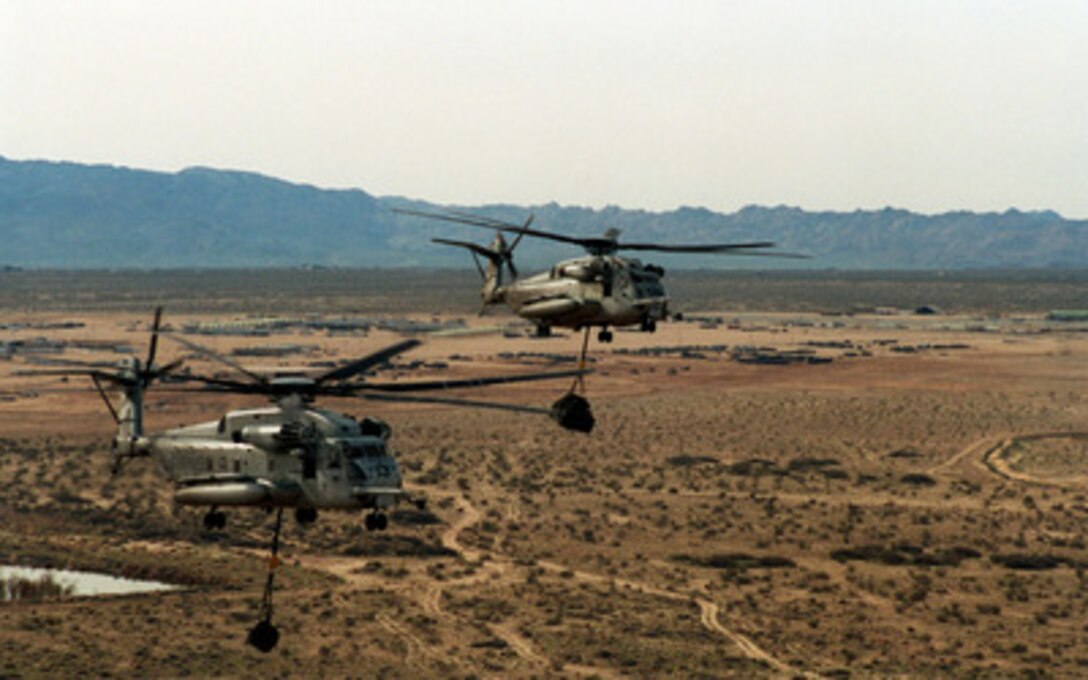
66, 214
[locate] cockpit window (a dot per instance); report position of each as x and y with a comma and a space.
357, 450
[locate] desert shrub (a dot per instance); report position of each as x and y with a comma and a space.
905, 554
918, 479
1027, 561
737, 560
805, 464
905, 453
397, 546
870, 553
753, 467
414, 517
685, 460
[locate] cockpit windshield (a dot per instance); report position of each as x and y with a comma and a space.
363, 449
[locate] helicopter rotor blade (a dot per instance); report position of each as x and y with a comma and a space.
789, 256
474, 247
479, 267
601, 244
215, 356
154, 338
456, 217
223, 384
487, 223
719, 248
165, 370
571, 411
90, 372
509, 254
448, 401
106, 399
521, 233
432, 385
481, 218
459, 217
76, 363
370, 360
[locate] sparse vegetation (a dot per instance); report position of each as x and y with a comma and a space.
25, 589
776, 494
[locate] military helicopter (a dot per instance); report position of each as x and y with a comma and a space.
290, 454
599, 289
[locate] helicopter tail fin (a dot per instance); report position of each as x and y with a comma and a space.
133, 379
499, 258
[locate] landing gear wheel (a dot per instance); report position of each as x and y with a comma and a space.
543, 331
306, 515
264, 636
604, 336
376, 521
649, 325
214, 519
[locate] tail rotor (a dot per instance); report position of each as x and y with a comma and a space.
133, 378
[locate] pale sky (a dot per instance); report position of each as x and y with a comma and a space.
928, 105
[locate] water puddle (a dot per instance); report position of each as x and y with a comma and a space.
32, 583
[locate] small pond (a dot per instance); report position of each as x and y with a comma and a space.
28, 582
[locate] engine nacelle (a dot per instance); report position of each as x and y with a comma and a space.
282, 437
578, 272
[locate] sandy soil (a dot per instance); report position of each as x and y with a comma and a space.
914, 508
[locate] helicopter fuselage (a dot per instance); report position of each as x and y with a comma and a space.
594, 290
275, 457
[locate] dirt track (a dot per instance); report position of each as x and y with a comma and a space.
615, 554
995, 459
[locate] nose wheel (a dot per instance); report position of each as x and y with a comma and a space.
376, 521
215, 519
604, 335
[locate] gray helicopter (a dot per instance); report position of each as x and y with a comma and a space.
290, 454
600, 289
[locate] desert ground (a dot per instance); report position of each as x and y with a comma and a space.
782, 493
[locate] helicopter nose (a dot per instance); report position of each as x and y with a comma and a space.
380, 472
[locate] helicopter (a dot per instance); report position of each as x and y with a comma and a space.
290, 454
599, 289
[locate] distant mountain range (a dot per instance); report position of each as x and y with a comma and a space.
61, 215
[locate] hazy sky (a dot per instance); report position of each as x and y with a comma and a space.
822, 104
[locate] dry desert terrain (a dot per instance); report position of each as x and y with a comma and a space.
914, 507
